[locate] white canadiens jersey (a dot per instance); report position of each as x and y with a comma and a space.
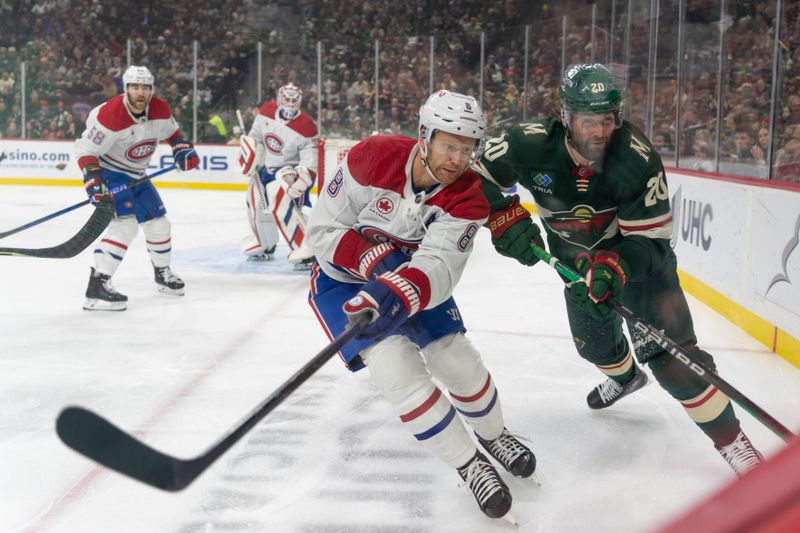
285, 143
371, 199
118, 141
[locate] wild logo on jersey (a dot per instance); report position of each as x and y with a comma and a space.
582, 226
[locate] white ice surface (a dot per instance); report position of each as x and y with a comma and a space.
179, 371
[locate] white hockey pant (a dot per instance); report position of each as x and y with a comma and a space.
114, 244
158, 236
398, 368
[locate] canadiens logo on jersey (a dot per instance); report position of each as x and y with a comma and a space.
141, 150
583, 226
273, 143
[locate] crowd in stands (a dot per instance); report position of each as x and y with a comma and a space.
76, 62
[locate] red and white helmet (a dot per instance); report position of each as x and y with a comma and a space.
289, 98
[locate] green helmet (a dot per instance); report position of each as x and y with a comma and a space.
589, 89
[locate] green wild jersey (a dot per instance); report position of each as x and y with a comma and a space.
621, 205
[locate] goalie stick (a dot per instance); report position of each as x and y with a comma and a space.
97, 223
676, 350
103, 442
113, 191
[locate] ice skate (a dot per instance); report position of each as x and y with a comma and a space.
609, 391
302, 258
266, 255
491, 493
515, 457
102, 296
740, 454
168, 282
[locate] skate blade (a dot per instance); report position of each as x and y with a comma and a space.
260, 258
175, 292
533, 477
508, 517
93, 304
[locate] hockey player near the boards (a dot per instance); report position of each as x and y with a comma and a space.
120, 139
391, 232
601, 192
280, 157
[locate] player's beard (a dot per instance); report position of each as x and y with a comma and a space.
593, 148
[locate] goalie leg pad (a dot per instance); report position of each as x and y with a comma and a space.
114, 244
158, 235
263, 231
456, 362
288, 214
397, 368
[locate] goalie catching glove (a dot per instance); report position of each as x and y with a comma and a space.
513, 231
389, 300
605, 277
297, 179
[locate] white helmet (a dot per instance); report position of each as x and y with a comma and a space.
453, 113
141, 75
289, 98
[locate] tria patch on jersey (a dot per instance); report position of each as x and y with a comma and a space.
582, 226
542, 182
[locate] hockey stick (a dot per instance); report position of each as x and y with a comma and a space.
97, 223
105, 443
113, 191
676, 350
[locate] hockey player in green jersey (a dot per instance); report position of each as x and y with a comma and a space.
601, 193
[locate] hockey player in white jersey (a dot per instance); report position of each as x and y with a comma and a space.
280, 157
391, 232
120, 138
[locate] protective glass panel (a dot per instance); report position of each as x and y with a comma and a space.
786, 141
503, 79
700, 87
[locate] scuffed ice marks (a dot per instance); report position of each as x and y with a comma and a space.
332, 458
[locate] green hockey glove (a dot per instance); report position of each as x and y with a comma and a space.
513, 231
605, 277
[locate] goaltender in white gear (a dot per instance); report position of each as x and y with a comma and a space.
280, 156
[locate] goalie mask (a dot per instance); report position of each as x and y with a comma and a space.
135, 75
589, 89
454, 113
289, 98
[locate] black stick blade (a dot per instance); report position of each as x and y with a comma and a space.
101, 441
90, 231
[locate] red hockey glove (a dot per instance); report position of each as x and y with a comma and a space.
184, 155
389, 299
94, 184
381, 258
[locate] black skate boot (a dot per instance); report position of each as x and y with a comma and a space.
609, 391
168, 282
102, 296
511, 453
491, 493
740, 454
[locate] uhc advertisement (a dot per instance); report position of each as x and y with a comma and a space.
54, 161
741, 240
